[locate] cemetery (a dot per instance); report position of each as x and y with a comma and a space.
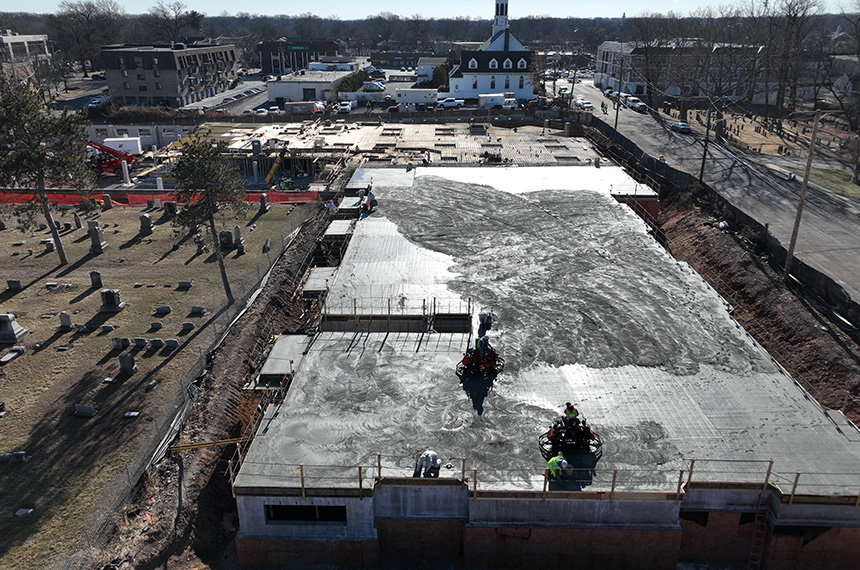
95, 353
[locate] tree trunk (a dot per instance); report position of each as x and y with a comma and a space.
49, 219
220, 256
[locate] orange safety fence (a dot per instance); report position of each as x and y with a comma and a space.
140, 199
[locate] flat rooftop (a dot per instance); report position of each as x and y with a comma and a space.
588, 308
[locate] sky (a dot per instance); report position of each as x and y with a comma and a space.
476, 9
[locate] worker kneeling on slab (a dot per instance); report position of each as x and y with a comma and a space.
557, 466
427, 464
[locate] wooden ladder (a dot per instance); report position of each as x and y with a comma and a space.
762, 513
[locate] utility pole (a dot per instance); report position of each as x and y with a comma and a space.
620, 86
705, 153
789, 258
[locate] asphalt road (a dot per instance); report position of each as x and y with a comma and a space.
829, 236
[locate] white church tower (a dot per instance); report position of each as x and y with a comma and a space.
500, 22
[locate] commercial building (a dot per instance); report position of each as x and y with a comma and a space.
501, 64
286, 56
20, 54
317, 83
426, 67
710, 452
171, 76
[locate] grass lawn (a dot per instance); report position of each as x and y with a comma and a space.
836, 180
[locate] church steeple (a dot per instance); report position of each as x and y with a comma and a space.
500, 22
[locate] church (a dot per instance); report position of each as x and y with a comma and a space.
501, 65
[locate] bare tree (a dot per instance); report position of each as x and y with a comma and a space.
81, 28
171, 22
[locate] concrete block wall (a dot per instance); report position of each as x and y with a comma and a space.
360, 523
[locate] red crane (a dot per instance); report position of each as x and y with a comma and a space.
106, 160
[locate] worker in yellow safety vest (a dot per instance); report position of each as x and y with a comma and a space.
570, 412
556, 465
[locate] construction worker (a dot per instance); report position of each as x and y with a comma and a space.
556, 465
570, 412
428, 463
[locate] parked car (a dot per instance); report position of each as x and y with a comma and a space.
98, 77
585, 105
344, 107
248, 112
248, 92
261, 112
274, 110
683, 128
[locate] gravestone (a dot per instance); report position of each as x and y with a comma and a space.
67, 226
139, 342
43, 227
58, 225
267, 246
155, 343
96, 280
107, 202
155, 326
225, 238
188, 326
126, 364
150, 204
157, 204
2, 225
170, 208
171, 344
65, 321
78, 223
10, 331
108, 328
185, 284
240, 248
14, 284
145, 224
97, 237
111, 301
265, 206
201, 243
198, 311
119, 343
237, 235
163, 310
49, 245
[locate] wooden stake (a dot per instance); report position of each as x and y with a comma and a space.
767, 475
794, 488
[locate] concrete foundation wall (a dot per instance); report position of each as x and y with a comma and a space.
810, 547
580, 513
419, 502
545, 548
716, 538
268, 552
359, 519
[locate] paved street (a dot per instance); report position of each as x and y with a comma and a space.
829, 238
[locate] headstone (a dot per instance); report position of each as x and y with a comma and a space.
126, 364
170, 208
111, 301
155, 343
185, 284
43, 227
171, 344
198, 311
225, 238
155, 326
49, 245
14, 284
264, 202
58, 225
10, 331
108, 328
163, 310
145, 224
2, 225
240, 248
157, 204
67, 226
188, 326
139, 342
267, 246
78, 223
120, 343
237, 235
150, 204
98, 244
84, 411
96, 280
65, 321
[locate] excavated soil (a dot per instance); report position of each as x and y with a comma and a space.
184, 516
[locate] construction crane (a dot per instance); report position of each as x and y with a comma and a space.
272, 171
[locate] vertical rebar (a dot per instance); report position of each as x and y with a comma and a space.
360, 484
612, 491
690, 474
474, 483
379, 466
794, 488
302, 478
545, 481
463, 475
767, 475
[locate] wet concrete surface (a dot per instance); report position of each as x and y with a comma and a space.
588, 308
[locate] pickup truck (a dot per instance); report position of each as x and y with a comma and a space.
450, 103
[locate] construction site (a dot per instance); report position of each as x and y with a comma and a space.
458, 286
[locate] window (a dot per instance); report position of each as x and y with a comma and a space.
125, 73
521, 64
475, 82
125, 85
473, 64
155, 62
493, 82
141, 87
158, 86
144, 132
122, 132
521, 81
507, 82
101, 133
138, 62
508, 64
306, 514
121, 62
141, 77
156, 72
494, 64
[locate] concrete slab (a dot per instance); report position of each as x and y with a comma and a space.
319, 280
338, 229
286, 356
587, 308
